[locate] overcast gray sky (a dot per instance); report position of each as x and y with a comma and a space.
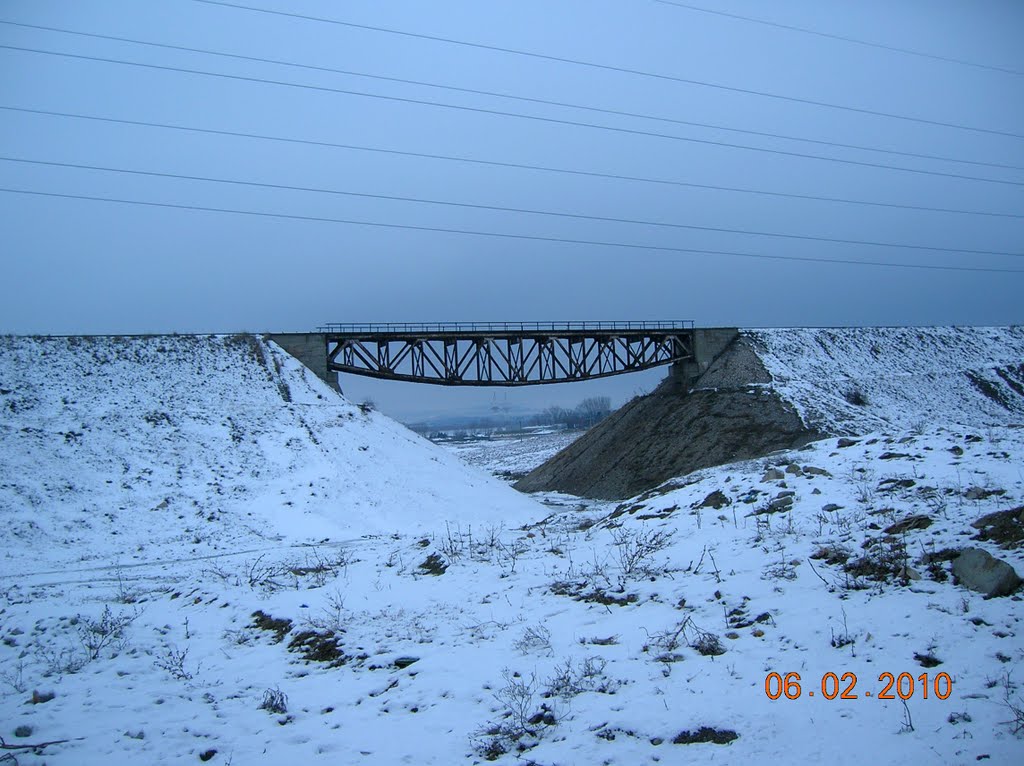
86, 266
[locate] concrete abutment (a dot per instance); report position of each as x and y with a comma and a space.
708, 345
310, 348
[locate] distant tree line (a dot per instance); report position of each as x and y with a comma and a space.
587, 413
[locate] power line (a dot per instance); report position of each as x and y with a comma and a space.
500, 113
505, 209
526, 99
844, 38
509, 165
503, 235
611, 68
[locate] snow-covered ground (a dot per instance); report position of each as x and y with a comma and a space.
510, 456
210, 556
860, 380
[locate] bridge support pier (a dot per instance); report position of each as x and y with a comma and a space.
310, 348
708, 345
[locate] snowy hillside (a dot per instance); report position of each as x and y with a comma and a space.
857, 380
598, 633
125, 446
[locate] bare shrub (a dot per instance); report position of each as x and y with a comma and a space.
274, 701
334, 615
1014, 704
508, 555
104, 632
665, 643
571, 678
521, 722
62, 661
320, 569
708, 644
636, 549
173, 662
15, 678
264, 576
534, 639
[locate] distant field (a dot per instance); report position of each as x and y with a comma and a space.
511, 456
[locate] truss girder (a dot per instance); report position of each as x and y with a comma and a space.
505, 359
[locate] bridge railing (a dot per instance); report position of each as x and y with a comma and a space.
458, 327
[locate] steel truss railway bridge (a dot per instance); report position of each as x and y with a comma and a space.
504, 353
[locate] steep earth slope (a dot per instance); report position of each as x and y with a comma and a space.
779, 389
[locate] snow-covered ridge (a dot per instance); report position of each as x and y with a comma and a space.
121, 447
905, 377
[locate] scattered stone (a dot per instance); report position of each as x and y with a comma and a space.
716, 500
1003, 527
831, 554
891, 485
579, 592
977, 493
705, 734
908, 573
781, 503
831, 507
403, 662
23, 731
927, 660
815, 471
315, 646
978, 570
957, 450
917, 521
207, 755
773, 474
893, 456
794, 470
843, 443
278, 626
434, 565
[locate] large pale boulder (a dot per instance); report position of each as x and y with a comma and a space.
977, 570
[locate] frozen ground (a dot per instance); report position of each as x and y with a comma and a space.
411, 610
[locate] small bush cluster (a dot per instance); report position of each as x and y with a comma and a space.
527, 708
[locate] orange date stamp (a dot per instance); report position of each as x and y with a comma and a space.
902, 686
